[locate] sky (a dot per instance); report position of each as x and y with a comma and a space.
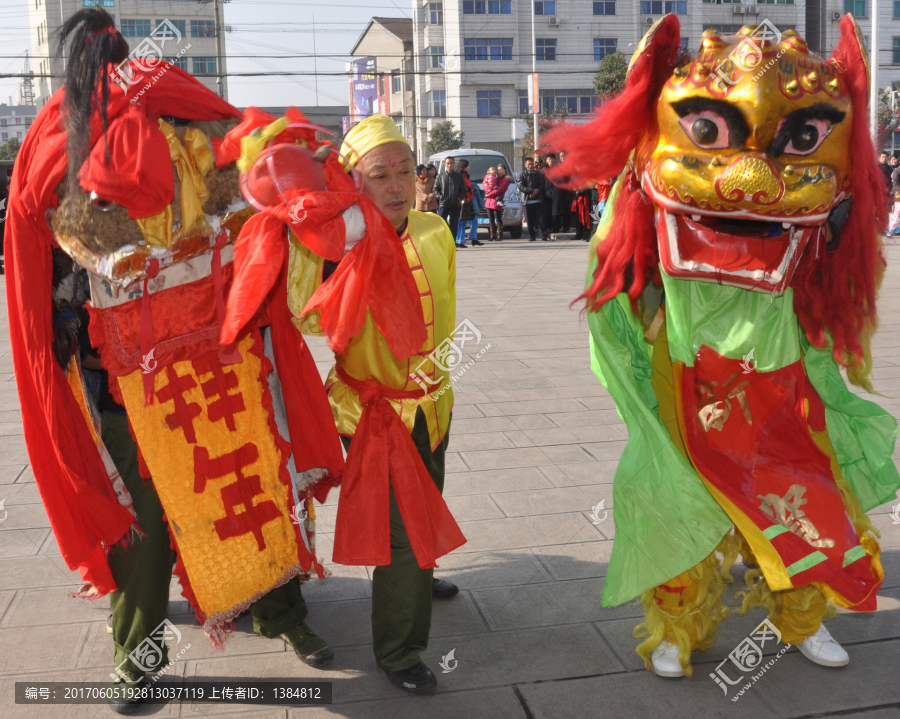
267, 35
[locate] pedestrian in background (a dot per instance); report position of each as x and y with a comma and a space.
495, 187
425, 199
467, 211
450, 191
548, 194
531, 188
581, 211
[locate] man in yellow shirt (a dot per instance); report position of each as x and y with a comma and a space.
395, 466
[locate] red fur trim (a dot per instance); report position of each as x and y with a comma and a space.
600, 149
834, 292
629, 247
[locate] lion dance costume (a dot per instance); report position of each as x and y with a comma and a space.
720, 315
130, 173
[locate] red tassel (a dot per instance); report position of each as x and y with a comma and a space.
228, 354
148, 362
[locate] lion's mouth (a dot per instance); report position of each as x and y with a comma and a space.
752, 254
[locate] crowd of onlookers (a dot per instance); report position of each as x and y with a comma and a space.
890, 167
548, 207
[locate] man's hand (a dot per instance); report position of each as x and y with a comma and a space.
534, 193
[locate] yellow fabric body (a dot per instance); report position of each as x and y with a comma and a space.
252, 145
157, 229
224, 573
197, 144
367, 135
431, 253
193, 188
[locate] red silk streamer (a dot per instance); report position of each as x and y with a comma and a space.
228, 354
147, 334
382, 455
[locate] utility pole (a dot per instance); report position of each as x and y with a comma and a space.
535, 98
315, 59
219, 30
873, 80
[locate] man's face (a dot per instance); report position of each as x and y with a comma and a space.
549, 161
389, 180
529, 165
882, 158
450, 164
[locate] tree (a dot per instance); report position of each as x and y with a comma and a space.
442, 138
610, 76
9, 150
546, 122
887, 118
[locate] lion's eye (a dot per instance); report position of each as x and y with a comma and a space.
706, 129
807, 138
102, 204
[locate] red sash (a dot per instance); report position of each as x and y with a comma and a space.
383, 448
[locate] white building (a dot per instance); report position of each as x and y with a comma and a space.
136, 20
15, 121
473, 57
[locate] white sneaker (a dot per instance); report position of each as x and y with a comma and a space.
822, 649
665, 660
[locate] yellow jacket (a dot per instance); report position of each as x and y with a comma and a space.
431, 254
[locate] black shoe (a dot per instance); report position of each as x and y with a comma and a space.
129, 696
459, 247
477, 242
311, 648
442, 589
531, 239
415, 680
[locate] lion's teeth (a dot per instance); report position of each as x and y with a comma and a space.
695, 217
786, 225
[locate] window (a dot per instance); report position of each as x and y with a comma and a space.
895, 59
683, 46
439, 103
608, 7
99, 3
524, 107
179, 62
545, 49
574, 101
473, 7
603, 46
855, 7
488, 103
204, 65
4, 136
777, 2
679, 7
489, 48
203, 28
499, 7
396, 84
135, 28
896, 9
436, 57
435, 13
489, 7
545, 7
162, 30
651, 7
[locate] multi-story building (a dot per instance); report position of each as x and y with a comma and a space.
190, 23
390, 41
15, 121
473, 57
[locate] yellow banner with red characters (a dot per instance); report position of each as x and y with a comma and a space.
219, 467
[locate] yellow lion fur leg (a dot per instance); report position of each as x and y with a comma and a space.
796, 613
687, 610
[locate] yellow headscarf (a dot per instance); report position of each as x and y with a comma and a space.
369, 134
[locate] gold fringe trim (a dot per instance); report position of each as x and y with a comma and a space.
697, 626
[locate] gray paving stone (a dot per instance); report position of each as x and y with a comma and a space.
492, 481
21, 542
525, 532
550, 501
495, 568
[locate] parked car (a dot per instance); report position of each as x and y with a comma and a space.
479, 162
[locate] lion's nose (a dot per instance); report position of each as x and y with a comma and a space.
750, 177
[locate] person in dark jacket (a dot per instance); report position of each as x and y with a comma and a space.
531, 187
450, 191
885, 166
560, 200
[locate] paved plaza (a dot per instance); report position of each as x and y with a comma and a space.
533, 448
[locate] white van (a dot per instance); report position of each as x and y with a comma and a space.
479, 162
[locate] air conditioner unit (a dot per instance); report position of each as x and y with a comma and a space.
835, 16
739, 10
752, 10
553, 21
649, 20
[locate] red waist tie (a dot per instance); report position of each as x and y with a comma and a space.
383, 449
